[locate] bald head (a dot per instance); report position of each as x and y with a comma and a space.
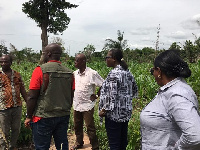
6, 62
52, 51
7, 57
80, 61
81, 56
54, 48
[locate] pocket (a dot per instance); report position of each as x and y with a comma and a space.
44, 126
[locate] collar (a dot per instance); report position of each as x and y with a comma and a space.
171, 83
118, 67
83, 73
1, 71
55, 61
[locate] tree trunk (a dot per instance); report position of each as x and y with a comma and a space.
44, 23
44, 37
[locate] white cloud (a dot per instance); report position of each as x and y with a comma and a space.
192, 23
134, 46
196, 17
146, 39
178, 35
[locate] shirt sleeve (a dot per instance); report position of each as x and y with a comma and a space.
36, 79
73, 82
97, 79
186, 116
110, 92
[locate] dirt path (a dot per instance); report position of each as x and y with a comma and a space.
72, 140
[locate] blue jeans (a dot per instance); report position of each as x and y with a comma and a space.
44, 129
117, 134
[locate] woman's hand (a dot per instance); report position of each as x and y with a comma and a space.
102, 113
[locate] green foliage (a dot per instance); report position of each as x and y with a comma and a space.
3, 48
26, 54
190, 51
119, 43
50, 13
194, 79
25, 137
174, 46
134, 136
101, 131
88, 51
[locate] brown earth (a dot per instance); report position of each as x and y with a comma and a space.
71, 140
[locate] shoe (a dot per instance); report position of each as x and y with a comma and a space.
75, 147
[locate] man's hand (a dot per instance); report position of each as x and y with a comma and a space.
27, 122
93, 97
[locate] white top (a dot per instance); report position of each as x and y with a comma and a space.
85, 85
171, 120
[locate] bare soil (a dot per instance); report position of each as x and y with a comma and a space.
72, 140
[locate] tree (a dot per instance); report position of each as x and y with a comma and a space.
59, 41
3, 48
49, 16
119, 43
175, 46
197, 44
190, 51
88, 51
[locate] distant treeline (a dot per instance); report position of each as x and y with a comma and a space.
190, 52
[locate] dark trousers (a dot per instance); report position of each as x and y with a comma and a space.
86, 116
44, 129
117, 134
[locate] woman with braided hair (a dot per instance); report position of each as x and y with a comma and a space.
116, 96
171, 120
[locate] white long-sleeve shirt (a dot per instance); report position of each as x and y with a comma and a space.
171, 120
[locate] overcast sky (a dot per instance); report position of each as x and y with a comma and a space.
95, 20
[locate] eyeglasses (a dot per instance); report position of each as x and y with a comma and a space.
108, 57
152, 71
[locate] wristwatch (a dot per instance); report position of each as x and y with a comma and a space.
29, 116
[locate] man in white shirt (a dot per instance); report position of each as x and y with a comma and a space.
86, 80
